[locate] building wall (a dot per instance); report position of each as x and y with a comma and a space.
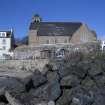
33, 39
52, 39
5, 43
82, 35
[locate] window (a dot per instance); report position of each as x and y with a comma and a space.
4, 47
56, 41
4, 41
47, 41
2, 34
65, 41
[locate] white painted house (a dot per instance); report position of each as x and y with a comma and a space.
6, 43
102, 45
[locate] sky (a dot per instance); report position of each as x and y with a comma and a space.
17, 14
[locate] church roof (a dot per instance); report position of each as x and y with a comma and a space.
55, 28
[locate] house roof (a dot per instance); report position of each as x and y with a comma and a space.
55, 28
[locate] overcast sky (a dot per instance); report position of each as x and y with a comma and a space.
17, 14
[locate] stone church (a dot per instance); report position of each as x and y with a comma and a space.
59, 32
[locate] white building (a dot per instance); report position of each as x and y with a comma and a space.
6, 43
103, 45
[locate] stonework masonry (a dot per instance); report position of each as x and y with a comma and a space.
58, 32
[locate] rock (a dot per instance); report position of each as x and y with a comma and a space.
95, 70
79, 71
76, 101
2, 91
69, 69
65, 99
49, 91
35, 80
81, 96
11, 99
100, 80
3, 104
21, 99
52, 76
47, 103
89, 83
70, 81
11, 83
47, 67
51, 103
64, 70
81, 99
3, 99
42, 103
99, 99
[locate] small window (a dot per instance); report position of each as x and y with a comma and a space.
65, 41
56, 41
4, 47
0, 34
3, 34
4, 41
47, 41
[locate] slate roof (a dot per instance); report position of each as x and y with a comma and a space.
55, 28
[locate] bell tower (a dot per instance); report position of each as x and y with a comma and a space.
36, 18
35, 22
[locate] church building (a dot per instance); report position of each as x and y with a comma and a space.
41, 32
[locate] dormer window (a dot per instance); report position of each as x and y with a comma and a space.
2, 34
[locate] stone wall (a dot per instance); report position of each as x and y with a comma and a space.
28, 65
83, 35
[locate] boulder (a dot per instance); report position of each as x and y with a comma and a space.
100, 80
65, 98
2, 103
51, 103
47, 103
2, 91
82, 100
52, 76
81, 96
49, 91
11, 83
99, 99
35, 80
46, 68
70, 81
72, 69
89, 83
12, 100
95, 69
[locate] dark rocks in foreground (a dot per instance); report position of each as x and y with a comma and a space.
71, 83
